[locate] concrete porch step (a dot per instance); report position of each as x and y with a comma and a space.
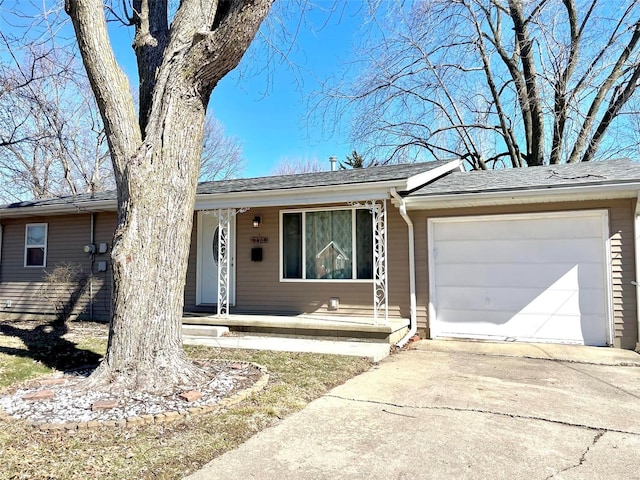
204, 330
374, 352
304, 327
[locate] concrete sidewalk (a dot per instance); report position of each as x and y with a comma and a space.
461, 410
374, 352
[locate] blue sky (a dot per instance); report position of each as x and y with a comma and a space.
264, 102
269, 111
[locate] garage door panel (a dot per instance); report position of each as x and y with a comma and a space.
534, 278
518, 300
537, 275
578, 329
581, 329
580, 227
521, 327
464, 323
470, 250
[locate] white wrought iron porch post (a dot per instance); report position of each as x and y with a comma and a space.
224, 226
380, 288
225, 250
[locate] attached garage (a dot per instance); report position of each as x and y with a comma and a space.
536, 277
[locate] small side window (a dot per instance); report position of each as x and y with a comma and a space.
35, 246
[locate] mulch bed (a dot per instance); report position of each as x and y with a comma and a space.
58, 401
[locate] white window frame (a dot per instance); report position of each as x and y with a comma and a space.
26, 246
354, 255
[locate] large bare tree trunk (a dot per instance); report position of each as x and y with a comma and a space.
150, 254
156, 161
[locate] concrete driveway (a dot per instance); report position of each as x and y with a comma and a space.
461, 410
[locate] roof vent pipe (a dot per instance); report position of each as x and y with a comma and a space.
334, 163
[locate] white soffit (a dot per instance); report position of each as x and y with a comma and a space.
298, 196
516, 197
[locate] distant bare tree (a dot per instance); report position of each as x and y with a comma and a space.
496, 82
221, 154
52, 141
292, 166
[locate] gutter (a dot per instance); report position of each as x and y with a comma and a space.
59, 209
413, 321
531, 195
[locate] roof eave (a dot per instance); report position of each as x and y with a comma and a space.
93, 206
299, 196
325, 194
514, 197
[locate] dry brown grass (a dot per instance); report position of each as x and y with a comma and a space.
156, 451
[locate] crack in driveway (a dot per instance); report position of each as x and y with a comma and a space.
583, 457
484, 411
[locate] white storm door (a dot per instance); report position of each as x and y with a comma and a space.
530, 277
207, 264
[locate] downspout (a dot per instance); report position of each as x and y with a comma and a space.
413, 321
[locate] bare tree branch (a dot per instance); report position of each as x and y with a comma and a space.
551, 77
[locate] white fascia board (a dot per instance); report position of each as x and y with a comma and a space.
541, 195
60, 209
423, 178
296, 196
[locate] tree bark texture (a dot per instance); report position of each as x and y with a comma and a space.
156, 159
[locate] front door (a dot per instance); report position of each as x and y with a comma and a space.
208, 249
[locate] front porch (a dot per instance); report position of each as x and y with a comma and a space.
329, 262
357, 336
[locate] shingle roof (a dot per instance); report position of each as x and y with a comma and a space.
382, 173
553, 176
82, 199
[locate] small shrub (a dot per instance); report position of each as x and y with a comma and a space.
63, 287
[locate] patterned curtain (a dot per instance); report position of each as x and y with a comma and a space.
328, 244
364, 243
292, 245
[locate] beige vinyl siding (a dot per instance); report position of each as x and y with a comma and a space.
621, 230
66, 237
104, 228
621, 234
398, 263
258, 285
190, 283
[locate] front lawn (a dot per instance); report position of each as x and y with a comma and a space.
167, 451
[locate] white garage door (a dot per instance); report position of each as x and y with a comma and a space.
534, 277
